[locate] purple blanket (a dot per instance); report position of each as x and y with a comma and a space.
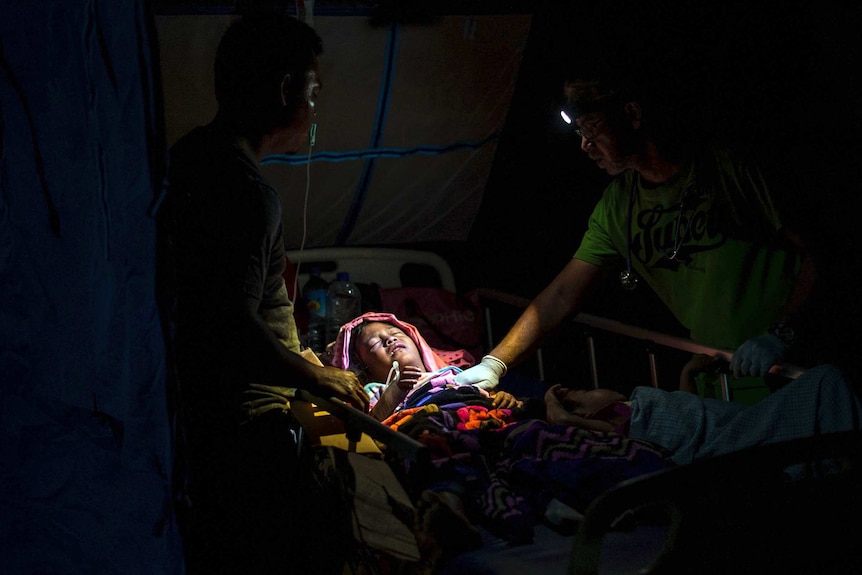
506, 476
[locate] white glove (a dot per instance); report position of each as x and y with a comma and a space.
757, 355
485, 375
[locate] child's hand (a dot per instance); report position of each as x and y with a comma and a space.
410, 377
504, 400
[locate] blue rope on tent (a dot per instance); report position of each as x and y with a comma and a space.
376, 136
353, 155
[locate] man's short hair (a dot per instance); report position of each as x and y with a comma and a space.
253, 55
584, 96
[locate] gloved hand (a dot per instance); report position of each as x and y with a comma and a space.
757, 355
485, 375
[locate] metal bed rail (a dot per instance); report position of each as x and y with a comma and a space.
650, 339
355, 423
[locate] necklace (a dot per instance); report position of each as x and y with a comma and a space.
677, 237
628, 278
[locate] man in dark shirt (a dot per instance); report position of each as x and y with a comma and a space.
232, 319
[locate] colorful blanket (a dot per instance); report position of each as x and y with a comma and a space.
503, 470
507, 471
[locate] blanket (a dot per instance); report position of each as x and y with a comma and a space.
503, 467
506, 472
819, 401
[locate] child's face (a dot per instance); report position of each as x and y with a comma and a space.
380, 344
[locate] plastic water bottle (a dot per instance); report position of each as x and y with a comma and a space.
314, 294
344, 303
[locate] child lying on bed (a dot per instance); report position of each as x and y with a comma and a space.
689, 427
508, 468
406, 373
503, 461
401, 371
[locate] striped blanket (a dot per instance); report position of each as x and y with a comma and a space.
506, 472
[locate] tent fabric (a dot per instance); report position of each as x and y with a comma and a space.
406, 112
86, 439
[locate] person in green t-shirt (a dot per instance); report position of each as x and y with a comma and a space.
696, 224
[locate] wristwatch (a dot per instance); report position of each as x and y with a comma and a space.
782, 331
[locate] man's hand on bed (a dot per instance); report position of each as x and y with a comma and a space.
757, 355
504, 400
333, 382
263, 398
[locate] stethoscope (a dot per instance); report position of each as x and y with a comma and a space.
628, 277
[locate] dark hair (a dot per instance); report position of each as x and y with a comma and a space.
662, 118
253, 56
356, 365
586, 96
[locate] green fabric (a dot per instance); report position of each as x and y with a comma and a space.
278, 315
738, 270
747, 390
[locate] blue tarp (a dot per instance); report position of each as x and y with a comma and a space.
86, 441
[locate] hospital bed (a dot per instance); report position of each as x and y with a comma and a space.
385, 267
733, 513
737, 512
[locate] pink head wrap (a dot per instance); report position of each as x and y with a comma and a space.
431, 357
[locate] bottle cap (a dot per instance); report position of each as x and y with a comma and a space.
342, 276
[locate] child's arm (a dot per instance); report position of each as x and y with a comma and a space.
557, 414
697, 364
396, 391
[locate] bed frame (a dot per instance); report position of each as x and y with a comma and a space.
737, 513
654, 524
386, 267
